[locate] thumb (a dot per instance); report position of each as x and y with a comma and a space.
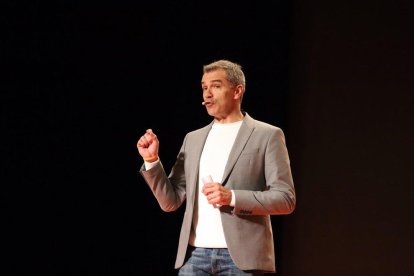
150, 132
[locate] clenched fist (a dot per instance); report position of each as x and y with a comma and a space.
148, 146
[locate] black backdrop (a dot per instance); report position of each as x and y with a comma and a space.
83, 80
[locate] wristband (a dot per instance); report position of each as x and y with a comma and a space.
151, 158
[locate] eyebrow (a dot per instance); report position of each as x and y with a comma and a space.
220, 81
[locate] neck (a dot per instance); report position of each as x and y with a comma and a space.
232, 118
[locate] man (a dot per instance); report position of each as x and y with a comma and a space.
233, 174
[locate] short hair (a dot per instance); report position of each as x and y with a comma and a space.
233, 71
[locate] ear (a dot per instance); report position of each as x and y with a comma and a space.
238, 91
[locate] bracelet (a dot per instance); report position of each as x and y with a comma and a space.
151, 158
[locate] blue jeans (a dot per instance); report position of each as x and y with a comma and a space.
211, 261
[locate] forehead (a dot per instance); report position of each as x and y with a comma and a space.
216, 75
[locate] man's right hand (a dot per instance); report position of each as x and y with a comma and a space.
148, 146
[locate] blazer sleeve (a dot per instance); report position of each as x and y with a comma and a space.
278, 195
169, 191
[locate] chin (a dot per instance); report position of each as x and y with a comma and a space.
210, 113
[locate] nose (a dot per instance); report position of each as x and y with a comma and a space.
207, 92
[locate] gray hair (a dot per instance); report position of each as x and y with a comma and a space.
233, 71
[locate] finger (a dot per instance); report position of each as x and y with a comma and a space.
151, 133
207, 189
215, 201
213, 196
150, 137
143, 142
211, 187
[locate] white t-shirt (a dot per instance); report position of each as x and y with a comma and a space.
208, 229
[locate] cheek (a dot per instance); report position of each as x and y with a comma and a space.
220, 95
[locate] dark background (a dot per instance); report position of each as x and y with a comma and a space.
82, 80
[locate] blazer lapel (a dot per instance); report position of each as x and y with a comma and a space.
243, 136
197, 145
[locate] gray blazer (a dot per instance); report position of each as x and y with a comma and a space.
258, 170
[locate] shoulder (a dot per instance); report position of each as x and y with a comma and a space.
198, 133
199, 130
261, 126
